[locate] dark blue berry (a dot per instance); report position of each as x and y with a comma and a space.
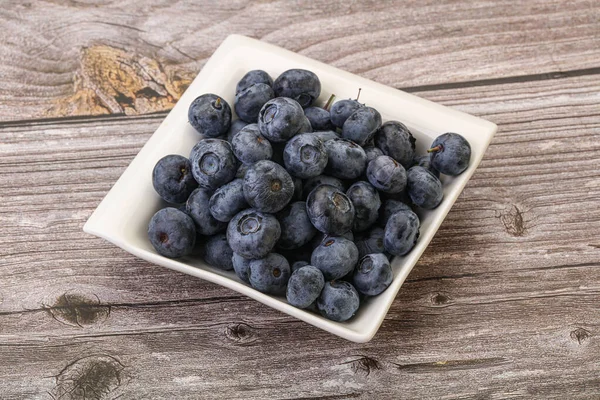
371, 242
296, 228
210, 115
326, 135
372, 153
270, 274
305, 156
249, 101
249, 146
361, 125
319, 118
389, 208
213, 162
396, 141
424, 189
298, 84
218, 253
253, 234
312, 183
320, 236
335, 257
281, 119
198, 208
341, 110
425, 162
401, 233
253, 77
235, 127
366, 201
228, 200
338, 301
373, 274
386, 174
330, 210
241, 266
172, 233
304, 286
347, 160
450, 154
268, 187
172, 178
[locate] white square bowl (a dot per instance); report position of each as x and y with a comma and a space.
123, 215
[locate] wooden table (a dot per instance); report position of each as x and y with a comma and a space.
503, 304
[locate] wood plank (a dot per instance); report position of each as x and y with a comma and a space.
503, 304
138, 57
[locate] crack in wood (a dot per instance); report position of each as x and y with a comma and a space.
445, 365
364, 364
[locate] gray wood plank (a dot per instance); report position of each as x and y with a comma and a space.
69, 58
503, 304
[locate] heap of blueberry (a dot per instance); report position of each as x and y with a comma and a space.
303, 201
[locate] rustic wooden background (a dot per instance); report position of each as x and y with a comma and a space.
503, 304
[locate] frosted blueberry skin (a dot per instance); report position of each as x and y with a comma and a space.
197, 207
319, 118
371, 242
296, 228
396, 141
304, 286
347, 160
298, 84
330, 210
361, 125
341, 110
366, 201
172, 233
241, 266
218, 253
425, 162
312, 183
210, 115
172, 178
235, 127
268, 187
227, 201
253, 234
424, 189
213, 162
373, 275
326, 135
305, 156
389, 208
372, 153
450, 154
249, 146
386, 175
335, 257
249, 101
281, 118
320, 237
338, 301
270, 274
401, 233
253, 77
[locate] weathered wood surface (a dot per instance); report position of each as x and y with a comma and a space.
503, 304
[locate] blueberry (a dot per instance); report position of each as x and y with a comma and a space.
335, 257
305, 156
270, 274
320, 237
341, 110
268, 187
326, 135
241, 171
253, 234
253, 77
371, 242
330, 210
366, 201
298, 84
396, 141
299, 264
249, 146
172, 233
241, 266
282, 118
235, 127
424, 189
297, 189
450, 154
425, 162
301, 254
312, 183
319, 118
373, 274
304, 286
361, 125
372, 153
218, 253
347, 160
305, 126
213, 162
296, 228
172, 178
338, 301
389, 208
210, 115
401, 233
198, 208
227, 201
249, 101
386, 174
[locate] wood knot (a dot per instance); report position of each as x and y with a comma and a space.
78, 309
94, 377
364, 365
440, 299
241, 333
580, 334
513, 221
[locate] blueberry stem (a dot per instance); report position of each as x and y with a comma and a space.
358, 95
329, 102
435, 149
218, 102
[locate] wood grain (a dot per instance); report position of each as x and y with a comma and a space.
503, 304
63, 58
